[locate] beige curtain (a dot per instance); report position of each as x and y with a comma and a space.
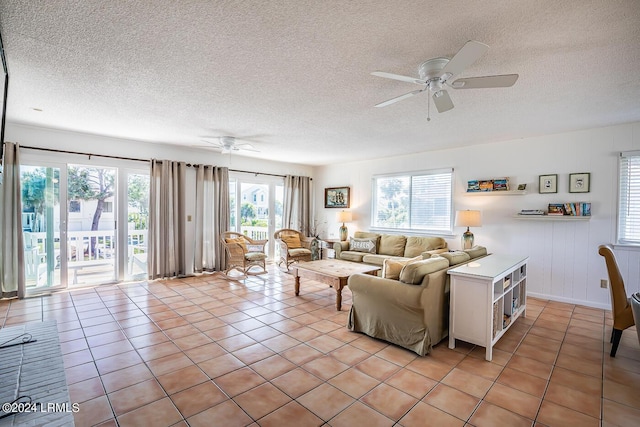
12, 282
167, 229
297, 203
212, 217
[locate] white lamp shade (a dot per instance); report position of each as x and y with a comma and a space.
468, 218
344, 216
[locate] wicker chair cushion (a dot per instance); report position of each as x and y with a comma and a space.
239, 241
255, 256
292, 240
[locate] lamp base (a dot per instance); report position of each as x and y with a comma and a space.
344, 233
467, 239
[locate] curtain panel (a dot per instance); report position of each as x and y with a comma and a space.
167, 229
297, 203
212, 217
12, 279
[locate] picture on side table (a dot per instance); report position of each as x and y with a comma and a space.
336, 197
548, 183
579, 182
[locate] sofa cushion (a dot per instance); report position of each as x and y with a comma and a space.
417, 245
455, 257
367, 245
292, 240
392, 244
476, 251
352, 256
391, 267
413, 272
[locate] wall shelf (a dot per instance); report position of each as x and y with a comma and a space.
496, 193
553, 217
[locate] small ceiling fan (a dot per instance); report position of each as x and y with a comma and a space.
437, 73
227, 144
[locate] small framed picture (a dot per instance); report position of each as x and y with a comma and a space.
579, 182
522, 187
337, 197
548, 184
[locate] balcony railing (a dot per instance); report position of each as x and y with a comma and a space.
85, 250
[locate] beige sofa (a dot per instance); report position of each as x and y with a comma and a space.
374, 248
411, 311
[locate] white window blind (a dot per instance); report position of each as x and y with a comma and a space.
420, 201
629, 198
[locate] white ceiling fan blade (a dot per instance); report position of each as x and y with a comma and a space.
399, 77
215, 144
442, 101
470, 53
246, 147
505, 80
399, 98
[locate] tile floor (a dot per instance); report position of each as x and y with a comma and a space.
207, 351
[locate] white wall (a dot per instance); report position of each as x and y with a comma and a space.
564, 263
85, 143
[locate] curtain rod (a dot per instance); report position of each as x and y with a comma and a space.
132, 159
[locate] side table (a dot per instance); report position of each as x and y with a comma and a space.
326, 248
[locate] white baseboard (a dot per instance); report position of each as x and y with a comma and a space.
569, 300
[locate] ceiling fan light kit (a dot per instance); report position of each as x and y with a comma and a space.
436, 74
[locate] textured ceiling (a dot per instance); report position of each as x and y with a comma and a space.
295, 75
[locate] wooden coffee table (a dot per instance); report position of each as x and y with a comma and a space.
333, 272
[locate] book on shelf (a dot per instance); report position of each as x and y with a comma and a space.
486, 185
473, 186
531, 212
501, 184
555, 209
578, 209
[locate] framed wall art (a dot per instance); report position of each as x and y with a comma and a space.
548, 183
336, 197
579, 182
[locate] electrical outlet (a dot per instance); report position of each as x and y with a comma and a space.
604, 283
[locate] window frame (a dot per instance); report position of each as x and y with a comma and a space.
411, 229
622, 235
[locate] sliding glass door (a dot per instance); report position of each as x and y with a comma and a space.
256, 206
43, 226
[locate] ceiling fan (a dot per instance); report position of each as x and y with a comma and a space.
227, 144
437, 73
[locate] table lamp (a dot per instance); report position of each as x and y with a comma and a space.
343, 217
468, 219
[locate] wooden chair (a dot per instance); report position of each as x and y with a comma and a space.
293, 246
620, 305
244, 253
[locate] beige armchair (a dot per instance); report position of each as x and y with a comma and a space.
293, 246
244, 253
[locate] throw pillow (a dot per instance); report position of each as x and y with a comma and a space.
239, 240
292, 241
362, 245
391, 267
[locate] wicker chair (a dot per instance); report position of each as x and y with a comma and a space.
244, 253
293, 246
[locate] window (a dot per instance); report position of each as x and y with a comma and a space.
108, 207
74, 206
420, 201
629, 198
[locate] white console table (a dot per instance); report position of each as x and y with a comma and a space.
486, 297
